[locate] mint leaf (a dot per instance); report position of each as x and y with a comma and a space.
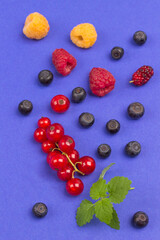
118, 188
114, 223
104, 210
85, 212
105, 170
98, 189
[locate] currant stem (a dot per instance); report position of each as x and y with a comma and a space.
131, 81
132, 188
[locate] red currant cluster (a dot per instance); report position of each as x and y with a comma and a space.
62, 156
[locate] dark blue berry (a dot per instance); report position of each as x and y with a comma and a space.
78, 94
140, 37
45, 77
136, 110
104, 150
133, 148
117, 52
140, 219
113, 126
86, 120
25, 107
40, 210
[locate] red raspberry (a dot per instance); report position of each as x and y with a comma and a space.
142, 75
63, 61
101, 81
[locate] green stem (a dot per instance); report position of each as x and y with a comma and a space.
132, 188
105, 170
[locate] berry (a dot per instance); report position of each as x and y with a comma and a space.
104, 150
40, 210
101, 81
86, 165
40, 135
140, 219
65, 174
135, 110
133, 148
142, 75
58, 162
74, 186
78, 94
44, 122
86, 119
55, 132
66, 144
84, 35
36, 26
117, 52
113, 126
51, 154
25, 107
60, 103
63, 61
47, 146
140, 37
74, 156
45, 77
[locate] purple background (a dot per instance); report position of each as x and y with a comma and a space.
25, 177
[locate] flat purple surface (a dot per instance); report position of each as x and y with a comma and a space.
25, 177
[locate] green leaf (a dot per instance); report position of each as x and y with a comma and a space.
104, 210
98, 189
105, 170
114, 223
118, 188
85, 212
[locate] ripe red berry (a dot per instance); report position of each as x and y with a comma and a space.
65, 174
66, 144
63, 61
40, 135
44, 122
87, 165
74, 186
74, 156
142, 75
55, 132
47, 146
60, 103
50, 155
58, 162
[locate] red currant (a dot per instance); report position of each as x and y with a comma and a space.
44, 122
40, 135
60, 103
74, 156
66, 144
74, 186
65, 174
47, 146
58, 162
55, 132
87, 165
50, 155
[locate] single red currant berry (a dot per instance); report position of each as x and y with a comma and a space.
66, 144
55, 132
50, 155
74, 186
58, 162
87, 165
60, 103
44, 122
74, 156
47, 146
40, 135
65, 174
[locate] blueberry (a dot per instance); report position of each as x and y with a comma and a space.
140, 219
104, 150
113, 126
25, 107
86, 120
78, 94
140, 37
45, 77
117, 52
136, 110
133, 148
40, 210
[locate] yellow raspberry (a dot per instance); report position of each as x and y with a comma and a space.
84, 35
36, 26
